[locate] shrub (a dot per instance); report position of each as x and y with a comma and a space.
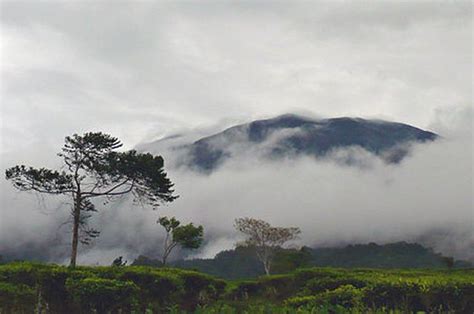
245, 289
403, 295
304, 301
16, 298
156, 290
101, 295
278, 287
346, 296
317, 285
199, 289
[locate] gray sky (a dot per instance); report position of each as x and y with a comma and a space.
141, 70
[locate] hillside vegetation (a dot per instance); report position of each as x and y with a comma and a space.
26, 287
242, 263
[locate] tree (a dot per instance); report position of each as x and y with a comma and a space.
93, 168
187, 236
287, 260
143, 260
265, 238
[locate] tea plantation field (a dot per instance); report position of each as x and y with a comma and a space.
42, 288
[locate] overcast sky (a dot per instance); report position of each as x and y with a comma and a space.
141, 70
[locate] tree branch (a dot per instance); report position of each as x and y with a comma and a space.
110, 192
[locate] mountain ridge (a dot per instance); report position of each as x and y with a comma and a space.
300, 135
293, 135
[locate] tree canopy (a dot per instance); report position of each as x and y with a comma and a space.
187, 236
93, 168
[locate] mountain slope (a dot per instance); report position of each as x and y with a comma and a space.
291, 135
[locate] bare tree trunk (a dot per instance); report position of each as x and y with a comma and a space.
265, 257
75, 230
166, 249
266, 266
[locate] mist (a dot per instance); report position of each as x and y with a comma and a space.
427, 198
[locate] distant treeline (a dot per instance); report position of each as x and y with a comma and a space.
242, 263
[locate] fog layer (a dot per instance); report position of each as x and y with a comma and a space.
426, 198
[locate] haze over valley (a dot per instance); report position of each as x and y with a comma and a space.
350, 120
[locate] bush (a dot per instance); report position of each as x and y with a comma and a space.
199, 289
245, 290
317, 285
138, 289
101, 289
101, 295
277, 287
346, 296
402, 295
157, 290
16, 298
304, 301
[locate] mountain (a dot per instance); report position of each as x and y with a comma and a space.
293, 135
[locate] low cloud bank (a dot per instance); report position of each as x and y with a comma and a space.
428, 198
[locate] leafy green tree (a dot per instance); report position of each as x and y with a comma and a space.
265, 238
93, 168
187, 236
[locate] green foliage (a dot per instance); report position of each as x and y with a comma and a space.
103, 289
364, 290
287, 260
187, 236
168, 223
101, 295
141, 289
241, 263
16, 298
157, 289
93, 168
42, 180
392, 255
346, 296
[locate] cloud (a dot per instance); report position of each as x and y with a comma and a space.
426, 198
142, 70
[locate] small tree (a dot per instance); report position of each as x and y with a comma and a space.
94, 169
265, 238
187, 236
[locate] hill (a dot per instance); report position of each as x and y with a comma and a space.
242, 262
294, 135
